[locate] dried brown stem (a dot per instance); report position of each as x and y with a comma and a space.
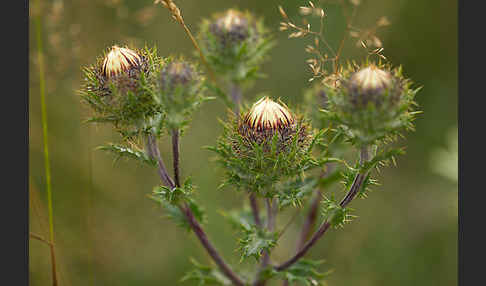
349, 21
40, 238
176, 15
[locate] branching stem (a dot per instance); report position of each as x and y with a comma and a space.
353, 190
153, 151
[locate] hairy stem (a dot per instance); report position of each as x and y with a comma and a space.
201, 235
154, 152
353, 190
272, 208
255, 209
175, 152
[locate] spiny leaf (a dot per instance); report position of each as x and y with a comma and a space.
205, 275
125, 152
303, 272
255, 241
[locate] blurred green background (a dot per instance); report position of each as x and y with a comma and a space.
109, 233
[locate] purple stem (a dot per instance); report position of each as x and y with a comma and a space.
154, 152
353, 191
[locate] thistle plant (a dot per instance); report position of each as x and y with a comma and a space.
279, 156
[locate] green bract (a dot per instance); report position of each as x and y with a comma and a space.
234, 43
370, 104
119, 87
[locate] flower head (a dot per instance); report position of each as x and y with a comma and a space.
266, 114
180, 91
177, 72
371, 103
119, 60
234, 43
369, 84
267, 119
231, 27
372, 78
265, 144
119, 87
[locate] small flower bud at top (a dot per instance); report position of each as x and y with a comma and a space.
177, 72
118, 61
230, 27
372, 78
265, 119
267, 114
369, 84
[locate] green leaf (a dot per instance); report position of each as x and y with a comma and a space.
125, 152
303, 272
240, 219
171, 199
333, 213
205, 275
295, 191
255, 241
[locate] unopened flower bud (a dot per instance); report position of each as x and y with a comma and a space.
177, 73
371, 103
231, 27
266, 143
369, 84
265, 120
119, 86
266, 114
120, 60
180, 91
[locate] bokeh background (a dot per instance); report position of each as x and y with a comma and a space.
109, 233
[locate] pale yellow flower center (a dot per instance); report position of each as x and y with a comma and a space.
231, 19
372, 78
119, 60
267, 114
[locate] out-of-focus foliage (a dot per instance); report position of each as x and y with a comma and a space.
108, 232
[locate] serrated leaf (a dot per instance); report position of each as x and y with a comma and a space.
295, 191
303, 272
255, 241
125, 152
205, 275
333, 213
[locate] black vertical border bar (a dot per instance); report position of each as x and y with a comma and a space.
14, 138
